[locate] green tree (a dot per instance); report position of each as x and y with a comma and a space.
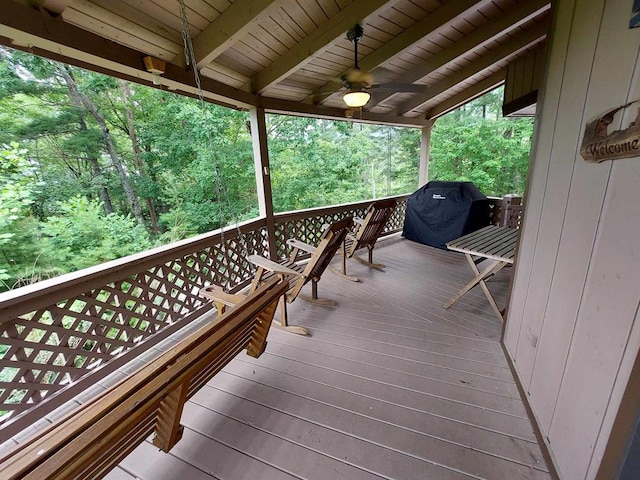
475, 143
82, 235
317, 162
18, 186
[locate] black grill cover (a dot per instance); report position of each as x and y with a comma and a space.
443, 211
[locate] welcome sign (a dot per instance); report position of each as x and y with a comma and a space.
600, 143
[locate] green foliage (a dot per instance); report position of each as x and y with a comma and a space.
18, 185
475, 143
81, 234
318, 162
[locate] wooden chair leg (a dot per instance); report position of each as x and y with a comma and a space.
284, 323
370, 264
314, 296
343, 273
344, 259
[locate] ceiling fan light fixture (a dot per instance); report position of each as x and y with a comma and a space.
357, 98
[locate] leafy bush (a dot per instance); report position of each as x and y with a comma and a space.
82, 235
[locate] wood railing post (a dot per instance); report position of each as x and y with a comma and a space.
263, 174
506, 203
425, 146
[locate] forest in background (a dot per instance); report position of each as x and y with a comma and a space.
93, 168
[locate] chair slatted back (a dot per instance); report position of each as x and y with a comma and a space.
375, 219
330, 242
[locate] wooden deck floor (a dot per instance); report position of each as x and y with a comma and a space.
389, 385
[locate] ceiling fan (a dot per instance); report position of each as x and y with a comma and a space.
358, 83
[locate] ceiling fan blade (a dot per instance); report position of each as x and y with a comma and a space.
322, 94
357, 76
400, 87
383, 75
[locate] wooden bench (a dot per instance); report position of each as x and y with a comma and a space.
93, 439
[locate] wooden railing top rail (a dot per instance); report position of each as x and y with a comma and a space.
310, 212
95, 437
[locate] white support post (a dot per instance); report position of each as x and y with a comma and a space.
263, 175
425, 144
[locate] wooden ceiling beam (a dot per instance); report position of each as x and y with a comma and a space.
31, 30
511, 47
471, 93
317, 42
233, 23
288, 107
431, 23
508, 22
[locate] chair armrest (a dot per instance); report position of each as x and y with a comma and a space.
271, 266
217, 294
301, 245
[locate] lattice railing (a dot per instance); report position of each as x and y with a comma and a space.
60, 336
306, 225
513, 214
506, 211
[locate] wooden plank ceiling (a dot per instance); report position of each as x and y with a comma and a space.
289, 55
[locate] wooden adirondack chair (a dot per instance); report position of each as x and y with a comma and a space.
367, 231
296, 271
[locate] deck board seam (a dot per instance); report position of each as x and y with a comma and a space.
407, 373
417, 349
466, 372
359, 438
272, 434
423, 412
440, 397
329, 427
400, 335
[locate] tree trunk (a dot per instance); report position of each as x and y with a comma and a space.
102, 189
97, 171
82, 100
131, 130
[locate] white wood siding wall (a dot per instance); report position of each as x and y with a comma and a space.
573, 328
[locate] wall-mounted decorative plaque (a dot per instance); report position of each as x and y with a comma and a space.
600, 143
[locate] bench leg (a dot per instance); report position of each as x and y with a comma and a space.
168, 429
258, 341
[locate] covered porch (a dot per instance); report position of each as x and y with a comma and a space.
389, 384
